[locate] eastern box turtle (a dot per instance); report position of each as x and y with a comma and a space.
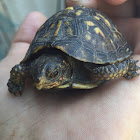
76, 48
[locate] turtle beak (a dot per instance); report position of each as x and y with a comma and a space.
40, 84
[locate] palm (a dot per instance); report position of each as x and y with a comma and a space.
102, 113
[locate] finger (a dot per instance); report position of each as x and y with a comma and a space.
108, 7
115, 2
130, 27
93, 3
26, 33
124, 9
86, 3
29, 27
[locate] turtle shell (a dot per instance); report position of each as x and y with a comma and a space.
83, 33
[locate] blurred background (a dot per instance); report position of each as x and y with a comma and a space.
12, 13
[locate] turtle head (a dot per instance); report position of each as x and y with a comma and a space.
49, 71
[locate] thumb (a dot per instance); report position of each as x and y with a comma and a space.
115, 2
93, 3
26, 33
86, 3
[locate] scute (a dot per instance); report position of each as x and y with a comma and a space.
83, 33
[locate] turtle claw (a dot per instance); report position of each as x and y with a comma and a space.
14, 89
132, 69
137, 68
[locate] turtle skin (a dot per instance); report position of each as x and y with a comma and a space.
88, 36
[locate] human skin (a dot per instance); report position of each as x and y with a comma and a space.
110, 112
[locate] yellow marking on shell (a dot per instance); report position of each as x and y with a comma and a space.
100, 15
58, 14
120, 72
79, 12
59, 47
106, 21
84, 86
116, 29
52, 25
89, 23
38, 48
58, 28
46, 34
70, 31
119, 35
88, 37
124, 72
112, 78
41, 27
110, 75
115, 74
69, 8
67, 23
96, 17
115, 36
98, 31
112, 44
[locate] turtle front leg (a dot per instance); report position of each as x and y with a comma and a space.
127, 69
18, 75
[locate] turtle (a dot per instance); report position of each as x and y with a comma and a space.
78, 48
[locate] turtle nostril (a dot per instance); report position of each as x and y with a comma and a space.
36, 80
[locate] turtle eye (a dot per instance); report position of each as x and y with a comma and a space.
54, 74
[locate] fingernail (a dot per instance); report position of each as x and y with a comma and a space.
81, 1
86, 3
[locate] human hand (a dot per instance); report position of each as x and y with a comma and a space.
108, 112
